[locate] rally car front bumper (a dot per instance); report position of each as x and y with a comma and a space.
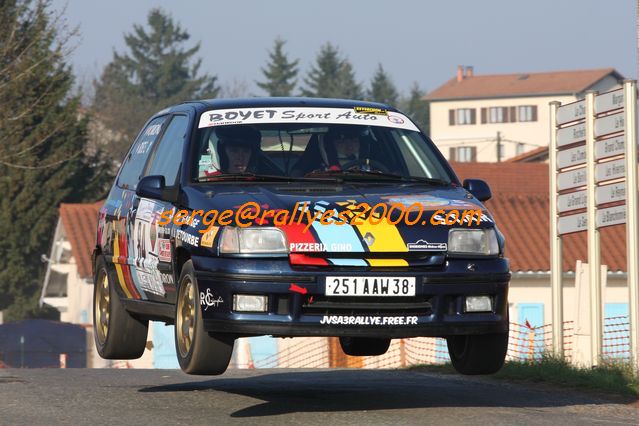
297, 305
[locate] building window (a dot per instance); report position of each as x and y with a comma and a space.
498, 115
461, 116
527, 113
463, 154
520, 148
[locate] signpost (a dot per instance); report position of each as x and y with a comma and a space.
592, 171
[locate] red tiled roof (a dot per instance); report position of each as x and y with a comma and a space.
80, 222
519, 178
520, 205
522, 84
535, 155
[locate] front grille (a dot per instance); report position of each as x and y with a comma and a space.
322, 305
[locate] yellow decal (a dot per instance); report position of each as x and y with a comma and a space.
369, 110
387, 262
118, 268
209, 236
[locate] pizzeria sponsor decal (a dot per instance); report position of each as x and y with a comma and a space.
365, 116
367, 320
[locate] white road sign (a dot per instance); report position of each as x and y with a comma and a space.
610, 147
611, 216
610, 170
579, 199
572, 201
609, 124
571, 157
609, 101
610, 193
571, 134
573, 223
571, 112
571, 179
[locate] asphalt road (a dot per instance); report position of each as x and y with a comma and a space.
309, 397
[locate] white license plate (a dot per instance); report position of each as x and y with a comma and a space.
370, 286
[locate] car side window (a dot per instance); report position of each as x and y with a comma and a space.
139, 153
167, 156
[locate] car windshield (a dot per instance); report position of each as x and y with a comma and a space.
267, 150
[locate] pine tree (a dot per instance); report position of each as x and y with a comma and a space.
158, 71
280, 73
332, 76
42, 148
382, 88
417, 108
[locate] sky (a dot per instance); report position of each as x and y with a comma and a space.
415, 41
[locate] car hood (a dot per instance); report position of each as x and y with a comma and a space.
414, 234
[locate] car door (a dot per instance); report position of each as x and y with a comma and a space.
153, 244
114, 235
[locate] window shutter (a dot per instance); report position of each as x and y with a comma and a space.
505, 114
451, 154
473, 154
513, 114
534, 113
451, 117
473, 116
484, 112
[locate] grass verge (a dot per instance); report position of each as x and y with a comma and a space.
611, 377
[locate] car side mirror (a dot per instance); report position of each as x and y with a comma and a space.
478, 188
151, 187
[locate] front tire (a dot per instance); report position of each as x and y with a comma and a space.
364, 346
117, 334
478, 354
198, 351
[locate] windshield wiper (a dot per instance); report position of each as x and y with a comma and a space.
378, 174
255, 177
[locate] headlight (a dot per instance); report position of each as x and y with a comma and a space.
473, 241
253, 241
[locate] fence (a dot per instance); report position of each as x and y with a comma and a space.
526, 343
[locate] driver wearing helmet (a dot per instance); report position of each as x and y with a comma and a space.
341, 147
237, 148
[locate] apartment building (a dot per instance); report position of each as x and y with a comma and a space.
495, 117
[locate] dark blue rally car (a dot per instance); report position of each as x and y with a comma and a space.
296, 217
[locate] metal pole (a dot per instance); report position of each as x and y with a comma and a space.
21, 351
555, 241
630, 125
499, 147
594, 252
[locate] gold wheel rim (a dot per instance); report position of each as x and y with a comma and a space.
101, 310
185, 320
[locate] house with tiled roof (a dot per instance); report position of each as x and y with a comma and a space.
495, 117
68, 281
520, 206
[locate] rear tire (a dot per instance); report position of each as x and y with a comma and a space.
198, 351
117, 334
478, 354
364, 346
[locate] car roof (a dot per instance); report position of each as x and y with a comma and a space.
208, 104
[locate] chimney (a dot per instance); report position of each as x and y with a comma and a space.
469, 71
460, 73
